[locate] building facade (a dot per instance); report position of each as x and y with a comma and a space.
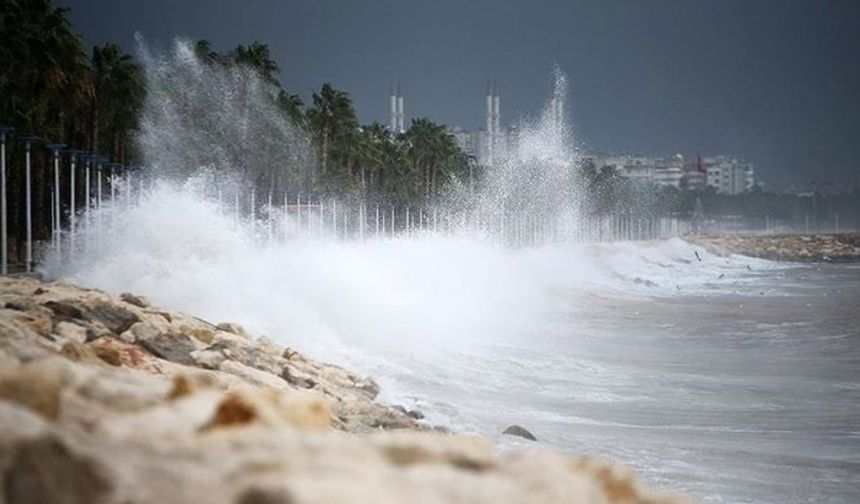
729, 175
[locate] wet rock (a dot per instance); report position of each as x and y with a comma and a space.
417, 415
46, 471
516, 430
400, 409
297, 378
114, 317
368, 387
258, 495
233, 328
139, 301
172, 347
66, 308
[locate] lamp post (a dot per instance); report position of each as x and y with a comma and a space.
90, 161
28, 198
55, 149
100, 162
73, 158
4, 258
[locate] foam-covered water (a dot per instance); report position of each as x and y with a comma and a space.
729, 377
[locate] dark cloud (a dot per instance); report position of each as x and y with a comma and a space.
774, 81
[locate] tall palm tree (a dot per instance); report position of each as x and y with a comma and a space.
291, 105
432, 150
118, 91
333, 121
257, 56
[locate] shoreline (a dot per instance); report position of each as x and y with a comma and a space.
799, 247
108, 399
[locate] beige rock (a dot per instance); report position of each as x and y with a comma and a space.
70, 332
37, 385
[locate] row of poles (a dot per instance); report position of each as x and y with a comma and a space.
336, 220
90, 161
303, 216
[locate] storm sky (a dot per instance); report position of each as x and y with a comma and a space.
776, 82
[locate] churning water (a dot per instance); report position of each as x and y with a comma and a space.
733, 379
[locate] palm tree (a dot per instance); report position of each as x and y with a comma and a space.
257, 57
432, 150
333, 123
291, 105
117, 97
205, 53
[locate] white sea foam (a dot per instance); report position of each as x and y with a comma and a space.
415, 294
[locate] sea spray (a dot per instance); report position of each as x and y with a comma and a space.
221, 118
200, 238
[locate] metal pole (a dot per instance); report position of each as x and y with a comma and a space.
113, 196
56, 235
4, 259
29, 204
87, 201
72, 204
99, 185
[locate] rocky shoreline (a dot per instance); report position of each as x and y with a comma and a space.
108, 399
834, 247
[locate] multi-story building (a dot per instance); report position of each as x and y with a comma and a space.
725, 174
661, 171
729, 175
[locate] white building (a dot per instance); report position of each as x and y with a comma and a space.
651, 170
729, 175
